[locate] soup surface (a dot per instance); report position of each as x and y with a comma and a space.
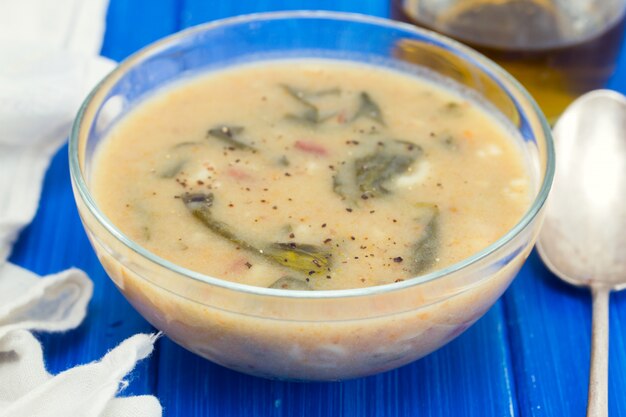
311, 175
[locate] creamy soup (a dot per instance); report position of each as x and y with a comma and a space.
311, 175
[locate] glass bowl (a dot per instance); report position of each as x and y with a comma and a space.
300, 335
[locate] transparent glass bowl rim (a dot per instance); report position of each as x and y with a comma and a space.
459, 49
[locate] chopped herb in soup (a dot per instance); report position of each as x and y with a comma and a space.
311, 175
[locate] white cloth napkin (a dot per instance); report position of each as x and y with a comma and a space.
86, 390
48, 63
55, 303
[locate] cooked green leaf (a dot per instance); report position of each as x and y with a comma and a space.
307, 259
374, 171
344, 184
298, 94
199, 204
308, 116
303, 258
426, 248
369, 175
283, 161
453, 108
286, 229
369, 109
290, 283
145, 230
230, 136
184, 144
328, 92
172, 169
311, 114
305, 97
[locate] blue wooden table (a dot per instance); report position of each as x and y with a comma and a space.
527, 357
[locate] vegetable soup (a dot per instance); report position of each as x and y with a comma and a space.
311, 175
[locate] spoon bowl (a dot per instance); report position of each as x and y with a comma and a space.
583, 239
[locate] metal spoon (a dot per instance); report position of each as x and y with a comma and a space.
583, 240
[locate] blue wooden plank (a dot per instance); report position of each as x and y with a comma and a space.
618, 81
194, 12
131, 25
552, 382
617, 355
550, 332
553, 334
469, 377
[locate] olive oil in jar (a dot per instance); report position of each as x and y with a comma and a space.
557, 49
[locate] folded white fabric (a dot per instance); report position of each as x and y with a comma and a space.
82, 391
55, 303
48, 56
40, 92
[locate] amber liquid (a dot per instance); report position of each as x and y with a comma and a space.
534, 41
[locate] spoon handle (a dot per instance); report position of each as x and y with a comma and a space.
597, 400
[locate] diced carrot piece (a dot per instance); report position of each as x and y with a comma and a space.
238, 174
311, 147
